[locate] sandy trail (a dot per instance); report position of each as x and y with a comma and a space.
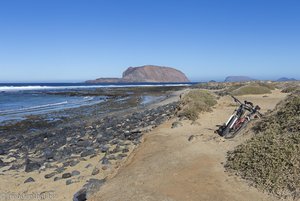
168, 167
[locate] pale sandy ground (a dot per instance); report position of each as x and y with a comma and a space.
168, 167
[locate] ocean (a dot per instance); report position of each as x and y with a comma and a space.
18, 100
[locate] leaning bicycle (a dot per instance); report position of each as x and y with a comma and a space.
239, 119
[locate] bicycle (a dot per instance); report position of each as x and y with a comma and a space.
239, 119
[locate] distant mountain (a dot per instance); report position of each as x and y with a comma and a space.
238, 79
148, 73
284, 79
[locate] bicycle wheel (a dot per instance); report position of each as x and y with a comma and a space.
237, 129
227, 128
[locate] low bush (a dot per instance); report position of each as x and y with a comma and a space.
253, 88
195, 102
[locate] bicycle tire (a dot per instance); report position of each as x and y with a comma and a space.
227, 129
236, 131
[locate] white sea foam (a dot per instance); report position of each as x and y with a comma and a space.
4, 112
33, 88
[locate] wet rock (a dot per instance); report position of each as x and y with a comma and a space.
95, 171
66, 175
56, 178
31, 166
30, 179
75, 173
47, 176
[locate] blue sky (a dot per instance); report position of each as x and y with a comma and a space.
76, 40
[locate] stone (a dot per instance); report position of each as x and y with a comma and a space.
74, 162
125, 150
105, 161
191, 138
48, 154
30, 179
95, 171
31, 166
88, 189
104, 148
88, 165
176, 124
60, 169
66, 175
87, 152
69, 181
47, 176
111, 157
83, 143
2, 152
2, 164
80, 195
75, 173
56, 178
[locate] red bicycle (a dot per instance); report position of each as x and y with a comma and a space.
239, 119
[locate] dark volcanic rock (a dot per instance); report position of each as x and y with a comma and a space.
66, 175
30, 179
48, 153
75, 173
176, 124
95, 171
2, 152
88, 189
2, 164
31, 166
87, 153
47, 176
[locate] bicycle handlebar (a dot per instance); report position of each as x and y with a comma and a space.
246, 103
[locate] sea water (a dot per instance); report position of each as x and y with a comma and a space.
18, 100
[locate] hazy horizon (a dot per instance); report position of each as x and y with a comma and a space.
74, 41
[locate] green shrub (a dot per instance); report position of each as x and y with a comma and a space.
195, 102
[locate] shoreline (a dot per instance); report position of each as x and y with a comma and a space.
84, 155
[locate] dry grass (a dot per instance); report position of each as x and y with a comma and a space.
271, 159
195, 102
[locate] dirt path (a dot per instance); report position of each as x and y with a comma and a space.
168, 167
